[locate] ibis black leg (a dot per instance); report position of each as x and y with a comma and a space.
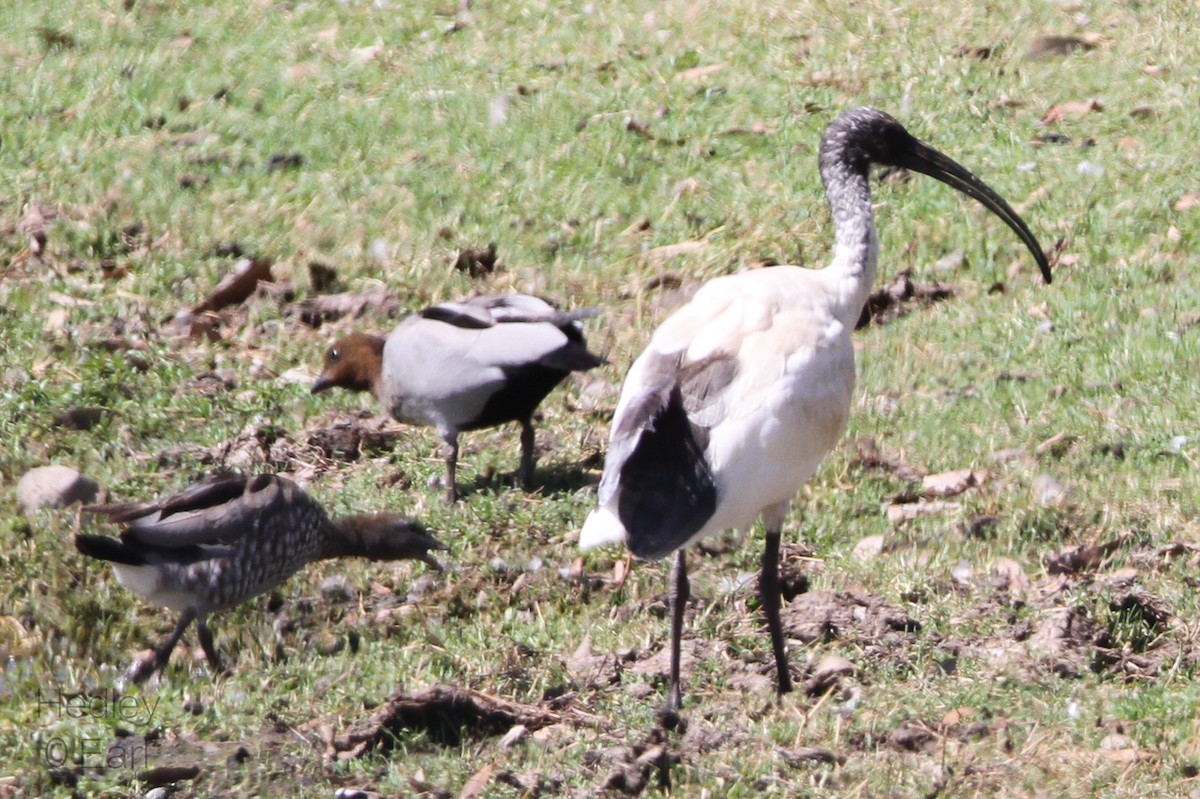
679, 593
143, 669
206, 643
527, 444
451, 469
768, 586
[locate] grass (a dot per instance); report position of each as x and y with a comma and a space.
143, 131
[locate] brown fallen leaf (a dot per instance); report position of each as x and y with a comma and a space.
1079, 558
957, 716
55, 38
620, 572
322, 278
805, 755
1188, 201
643, 130
478, 263
753, 129
1127, 756
699, 72
869, 457
1077, 108
914, 510
911, 738
314, 311
35, 224
1011, 577
56, 321
1056, 44
238, 285
479, 780
672, 250
951, 484
893, 300
1150, 609
980, 51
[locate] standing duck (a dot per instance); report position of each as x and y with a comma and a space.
466, 365
743, 391
217, 544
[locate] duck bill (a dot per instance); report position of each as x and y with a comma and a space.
321, 383
928, 161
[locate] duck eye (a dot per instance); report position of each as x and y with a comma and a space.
334, 354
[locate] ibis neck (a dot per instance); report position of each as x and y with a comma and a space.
856, 246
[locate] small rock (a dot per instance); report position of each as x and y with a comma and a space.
639, 690
827, 673
1049, 492
869, 547
79, 418
962, 574
330, 644
950, 262
54, 487
514, 736
1117, 741
336, 589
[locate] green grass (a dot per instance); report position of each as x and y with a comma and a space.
110, 109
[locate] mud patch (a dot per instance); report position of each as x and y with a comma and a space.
448, 714
852, 615
349, 437
632, 769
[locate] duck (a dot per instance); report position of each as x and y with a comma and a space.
457, 366
742, 391
221, 542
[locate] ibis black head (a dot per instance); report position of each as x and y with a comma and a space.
865, 136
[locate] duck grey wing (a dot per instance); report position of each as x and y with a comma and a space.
487, 310
513, 307
459, 314
213, 514
196, 497
525, 308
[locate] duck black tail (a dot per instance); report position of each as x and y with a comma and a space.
111, 549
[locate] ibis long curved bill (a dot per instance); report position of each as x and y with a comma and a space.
928, 161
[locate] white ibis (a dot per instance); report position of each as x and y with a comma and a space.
466, 365
742, 391
217, 544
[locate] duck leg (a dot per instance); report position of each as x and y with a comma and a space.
527, 443
143, 668
451, 468
768, 586
206, 643
678, 593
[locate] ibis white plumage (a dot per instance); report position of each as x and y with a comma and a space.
743, 390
